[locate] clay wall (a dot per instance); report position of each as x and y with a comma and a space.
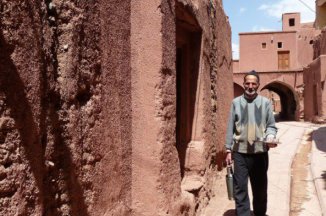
311, 91
256, 47
235, 66
322, 85
320, 44
320, 21
305, 39
253, 56
88, 105
65, 86
296, 17
314, 82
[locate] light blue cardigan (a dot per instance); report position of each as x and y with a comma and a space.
236, 135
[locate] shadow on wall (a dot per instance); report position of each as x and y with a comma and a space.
231, 212
14, 88
324, 177
319, 138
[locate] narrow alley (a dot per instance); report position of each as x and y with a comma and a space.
121, 108
291, 191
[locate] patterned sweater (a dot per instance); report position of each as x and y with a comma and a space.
242, 112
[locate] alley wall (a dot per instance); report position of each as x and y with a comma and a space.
89, 106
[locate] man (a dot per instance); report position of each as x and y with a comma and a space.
251, 120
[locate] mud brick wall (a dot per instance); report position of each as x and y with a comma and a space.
88, 107
65, 107
320, 44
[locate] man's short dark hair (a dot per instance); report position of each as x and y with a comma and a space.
254, 73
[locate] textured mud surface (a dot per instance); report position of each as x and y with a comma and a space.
53, 107
87, 106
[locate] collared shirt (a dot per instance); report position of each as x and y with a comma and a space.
257, 111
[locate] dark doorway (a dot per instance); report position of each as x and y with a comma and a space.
275, 100
237, 90
188, 43
289, 103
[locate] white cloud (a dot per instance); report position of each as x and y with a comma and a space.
288, 6
261, 28
235, 51
242, 10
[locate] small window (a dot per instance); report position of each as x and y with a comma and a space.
279, 45
263, 45
311, 42
292, 22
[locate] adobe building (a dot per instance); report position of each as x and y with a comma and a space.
315, 73
112, 107
320, 21
279, 57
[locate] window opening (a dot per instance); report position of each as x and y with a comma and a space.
291, 22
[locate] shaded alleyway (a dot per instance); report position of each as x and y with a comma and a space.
293, 136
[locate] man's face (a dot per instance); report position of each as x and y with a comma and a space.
250, 85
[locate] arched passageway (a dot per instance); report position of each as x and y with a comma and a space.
237, 89
288, 98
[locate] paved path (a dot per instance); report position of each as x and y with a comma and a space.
291, 134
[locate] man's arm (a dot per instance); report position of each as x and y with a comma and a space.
229, 136
230, 129
271, 129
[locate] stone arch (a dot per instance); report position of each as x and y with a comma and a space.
237, 89
290, 105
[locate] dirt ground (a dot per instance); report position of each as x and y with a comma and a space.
299, 173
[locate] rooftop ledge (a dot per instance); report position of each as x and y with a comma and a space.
274, 71
267, 32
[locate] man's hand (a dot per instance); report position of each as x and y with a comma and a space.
228, 158
271, 142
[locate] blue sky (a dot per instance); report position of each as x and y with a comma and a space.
263, 15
